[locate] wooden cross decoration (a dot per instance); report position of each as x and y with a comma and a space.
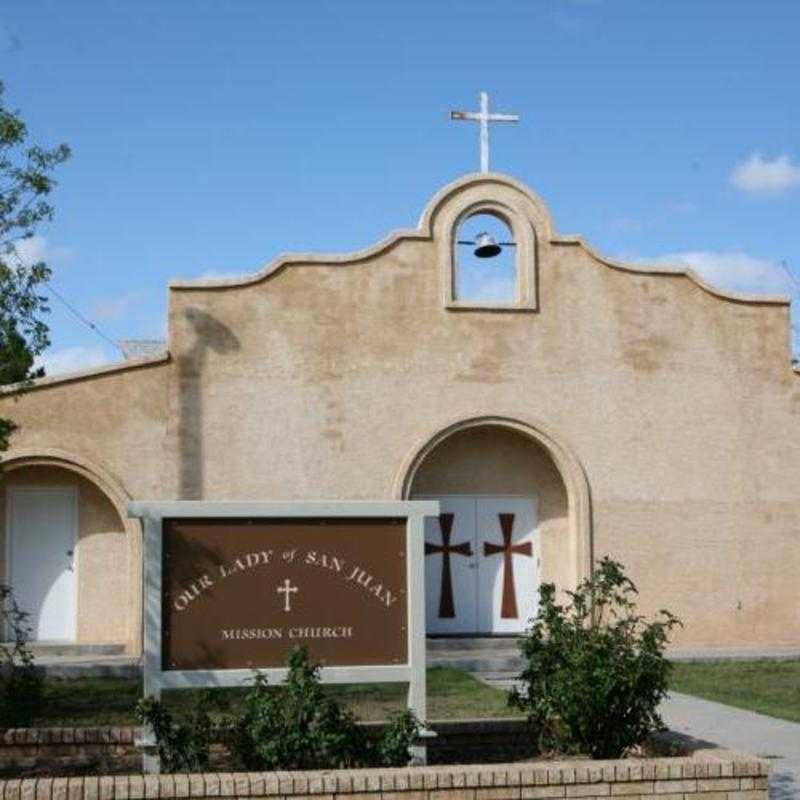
508, 609
446, 605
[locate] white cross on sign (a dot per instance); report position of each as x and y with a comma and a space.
287, 590
484, 117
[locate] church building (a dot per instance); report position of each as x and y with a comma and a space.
594, 409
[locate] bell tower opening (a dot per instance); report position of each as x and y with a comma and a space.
485, 260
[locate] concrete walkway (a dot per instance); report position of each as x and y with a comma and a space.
726, 727
746, 731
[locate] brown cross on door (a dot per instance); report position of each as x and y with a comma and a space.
446, 605
508, 609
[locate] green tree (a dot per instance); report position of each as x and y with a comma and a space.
25, 183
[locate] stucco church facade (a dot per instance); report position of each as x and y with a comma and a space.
601, 409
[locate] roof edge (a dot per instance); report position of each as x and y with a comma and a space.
675, 271
423, 231
68, 377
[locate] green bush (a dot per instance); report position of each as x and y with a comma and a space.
21, 684
297, 726
182, 746
391, 749
595, 670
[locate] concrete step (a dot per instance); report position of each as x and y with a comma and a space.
499, 680
68, 667
59, 649
476, 654
472, 643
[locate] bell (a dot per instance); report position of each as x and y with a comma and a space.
486, 246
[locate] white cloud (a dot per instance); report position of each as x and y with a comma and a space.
29, 251
759, 175
734, 271
74, 359
36, 248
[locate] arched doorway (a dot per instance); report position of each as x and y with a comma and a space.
505, 527
68, 554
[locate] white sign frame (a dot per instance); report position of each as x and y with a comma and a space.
153, 513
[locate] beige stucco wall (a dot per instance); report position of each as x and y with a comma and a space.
105, 434
673, 408
102, 554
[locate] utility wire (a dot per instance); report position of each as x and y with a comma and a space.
81, 318
74, 311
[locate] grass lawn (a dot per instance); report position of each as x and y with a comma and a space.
768, 687
452, 694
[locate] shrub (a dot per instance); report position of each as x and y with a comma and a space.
21, 684
391, 749
182, 746
297, 726
595, 670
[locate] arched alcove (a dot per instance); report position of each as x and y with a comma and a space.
86, 593
500, 457
499, 469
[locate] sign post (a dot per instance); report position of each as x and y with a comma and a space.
233, 587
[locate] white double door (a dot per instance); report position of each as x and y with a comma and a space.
482, 565
42, 527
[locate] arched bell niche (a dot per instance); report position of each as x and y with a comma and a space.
486, 263
488, 251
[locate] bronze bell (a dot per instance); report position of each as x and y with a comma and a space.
486, 246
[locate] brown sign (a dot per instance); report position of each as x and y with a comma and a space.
243, 593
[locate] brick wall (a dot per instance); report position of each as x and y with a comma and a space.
29, 752
712, 775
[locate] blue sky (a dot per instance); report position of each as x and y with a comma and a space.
210, 136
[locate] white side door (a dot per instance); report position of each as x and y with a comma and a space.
451, 582
42, 528
508, 568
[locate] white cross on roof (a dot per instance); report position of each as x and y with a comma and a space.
484, 118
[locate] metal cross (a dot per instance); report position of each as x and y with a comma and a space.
484, 117
287, 590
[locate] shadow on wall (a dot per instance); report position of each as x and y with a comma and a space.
210, 336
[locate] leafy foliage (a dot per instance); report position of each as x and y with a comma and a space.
295, 725
21, 684
595, 669
25, 183
391, 749
182, 746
